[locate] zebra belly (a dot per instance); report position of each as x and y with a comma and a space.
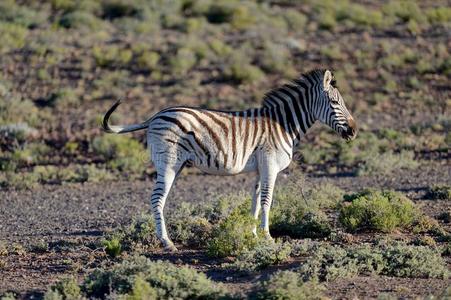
248, 166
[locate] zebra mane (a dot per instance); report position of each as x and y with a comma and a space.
315, 75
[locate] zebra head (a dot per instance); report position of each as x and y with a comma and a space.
331, 108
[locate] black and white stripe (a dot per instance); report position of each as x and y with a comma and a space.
225, 143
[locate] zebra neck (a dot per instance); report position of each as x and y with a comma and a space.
290, 105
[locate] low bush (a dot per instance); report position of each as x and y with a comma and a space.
141, 289
387, 162
63, 98
394, 259
21, 15
243, 72
16, 133
183, 61
80, 19
113, 246
139, 236
289, 285
382, 211
440, 192
298, 217
67, 288
233, 235
48, 174
111, 56
148, 60
188, 225
276, 59
264, 254
414, 261
121, 153
13, 36
27, 155
167, 280
11, 111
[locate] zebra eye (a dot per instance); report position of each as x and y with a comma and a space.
334, 82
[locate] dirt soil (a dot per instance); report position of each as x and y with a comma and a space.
71, 218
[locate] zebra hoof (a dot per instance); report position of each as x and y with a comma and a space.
269, 238
169, 247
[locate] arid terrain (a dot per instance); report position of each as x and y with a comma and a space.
374, 220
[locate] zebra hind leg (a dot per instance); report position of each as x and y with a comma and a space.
163, 184
267, 187
255, 210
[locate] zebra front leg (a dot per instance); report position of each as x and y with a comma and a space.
255, 210
165, 179
268, 179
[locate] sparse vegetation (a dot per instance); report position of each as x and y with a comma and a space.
289, 285
233, 235
264, 254
67, 288
298, 217
65, 61
121, 153
383, 211
163, 278
393, 259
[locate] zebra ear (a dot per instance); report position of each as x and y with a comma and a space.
327, 79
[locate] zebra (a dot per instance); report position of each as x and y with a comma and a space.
226, 143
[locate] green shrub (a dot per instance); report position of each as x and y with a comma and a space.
439, 15
148, 60
141, 289
8, 296
220, 48
288, 285
120, 152
414, 261
240, 70
393, 259
11, 111
20, 14
238, 15
18, 180
139, 236
16, 132
27, 155
386, 163
264, 254
80, 19
330, 262
298, 217
382, 211
441, 192
233, 235
111, 56
13, 36
276, 59
188, 226
296, 20
113, 246
168, 280
63, 97
92, 173
183, 61
64, 289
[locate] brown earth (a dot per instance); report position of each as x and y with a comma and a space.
71, 218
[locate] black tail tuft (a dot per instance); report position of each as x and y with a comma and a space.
105, 124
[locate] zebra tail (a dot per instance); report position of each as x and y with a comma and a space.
120, 128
